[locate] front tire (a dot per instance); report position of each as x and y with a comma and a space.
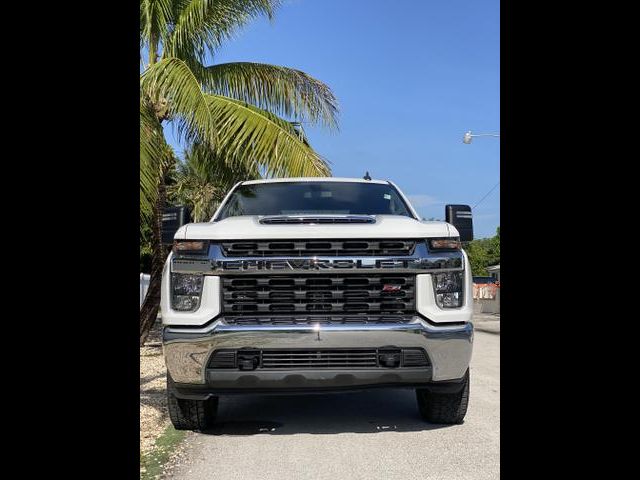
190, 414
448, 408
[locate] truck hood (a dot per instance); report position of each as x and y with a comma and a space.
250, 228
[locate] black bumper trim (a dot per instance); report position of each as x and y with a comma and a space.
316, 381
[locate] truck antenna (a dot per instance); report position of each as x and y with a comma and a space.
366, 176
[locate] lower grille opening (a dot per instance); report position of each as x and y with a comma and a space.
223, 359
414, 357
358, 319
319, 358
293, 359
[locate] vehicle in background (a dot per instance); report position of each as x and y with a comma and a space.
479, 280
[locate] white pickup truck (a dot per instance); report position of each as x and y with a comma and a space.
314, 284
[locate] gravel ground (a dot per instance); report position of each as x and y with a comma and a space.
153, 403
487, 322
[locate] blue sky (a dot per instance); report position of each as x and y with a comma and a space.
411, 76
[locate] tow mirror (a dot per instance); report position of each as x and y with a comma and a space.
460, 217
172, 219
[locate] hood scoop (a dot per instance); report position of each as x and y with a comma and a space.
315, 219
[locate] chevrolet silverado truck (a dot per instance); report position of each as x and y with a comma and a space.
316, 284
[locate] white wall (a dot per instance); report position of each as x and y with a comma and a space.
144, 285
487, 305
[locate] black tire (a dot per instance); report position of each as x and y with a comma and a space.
449, 408
190, 414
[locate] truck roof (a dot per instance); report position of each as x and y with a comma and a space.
314, 179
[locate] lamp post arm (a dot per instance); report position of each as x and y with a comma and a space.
469, 136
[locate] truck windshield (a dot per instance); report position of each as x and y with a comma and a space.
301, 198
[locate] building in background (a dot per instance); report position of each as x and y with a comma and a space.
486, 291
494, 271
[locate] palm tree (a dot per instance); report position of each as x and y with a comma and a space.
232, 109
202, 181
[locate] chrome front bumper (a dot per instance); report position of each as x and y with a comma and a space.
187, 350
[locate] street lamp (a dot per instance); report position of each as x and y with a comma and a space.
468, 136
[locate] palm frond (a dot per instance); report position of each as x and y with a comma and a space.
253, 137
239, 131
172, 81
156, 19
202, 25
281, 90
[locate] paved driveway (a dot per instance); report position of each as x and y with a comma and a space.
376, 434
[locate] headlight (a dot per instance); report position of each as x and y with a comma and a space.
448, 243
186, 290
448, 289
191, 246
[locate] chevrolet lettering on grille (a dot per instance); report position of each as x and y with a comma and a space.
217, 263
310, 264
221, 267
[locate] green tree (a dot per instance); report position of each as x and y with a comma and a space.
483, 252
477, 258
494, 249
234, 109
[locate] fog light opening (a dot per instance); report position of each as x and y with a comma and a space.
389, 358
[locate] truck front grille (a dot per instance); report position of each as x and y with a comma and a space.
319, 294
328, 248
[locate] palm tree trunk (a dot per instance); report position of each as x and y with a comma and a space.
151, 304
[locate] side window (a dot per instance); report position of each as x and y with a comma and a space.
232, 208
396, 206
